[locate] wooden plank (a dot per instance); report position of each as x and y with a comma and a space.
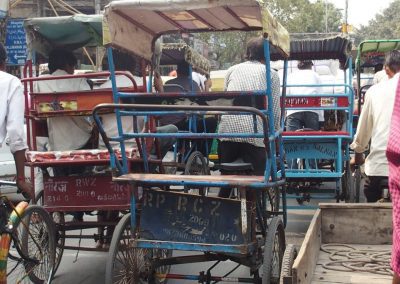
353, 279
180, 179
304, 265
341, 206
363, 225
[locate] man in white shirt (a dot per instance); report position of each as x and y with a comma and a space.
297, 119
66, 132
12, 108
373, 125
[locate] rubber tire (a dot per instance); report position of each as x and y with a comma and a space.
275, 232
288, 259
45, 217
60, 235
122, 227
203, 170
348, 184
60, 240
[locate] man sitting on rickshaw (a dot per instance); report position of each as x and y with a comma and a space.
69, 132
183, 83
248, 76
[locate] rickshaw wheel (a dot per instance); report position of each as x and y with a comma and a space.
348, 186
38, 242
196, 165
59, 220
287, 262
274, 249
128, 264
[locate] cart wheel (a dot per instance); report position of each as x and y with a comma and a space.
196, 165
287, 263
347, 184
127, 264
34, 236
59, 221
273, 252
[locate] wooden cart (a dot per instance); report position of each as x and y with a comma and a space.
341, 226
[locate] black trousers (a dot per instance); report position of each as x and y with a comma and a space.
229, 152
373, 187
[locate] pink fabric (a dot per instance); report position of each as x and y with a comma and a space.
393, 155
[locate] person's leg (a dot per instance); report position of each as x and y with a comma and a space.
293, 122
254, 155
227, 153
372, 189
311, 121
210, 124
166, 143
396, 279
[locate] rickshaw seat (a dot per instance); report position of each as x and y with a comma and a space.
57, 157
315, 133
235, 166
207, 180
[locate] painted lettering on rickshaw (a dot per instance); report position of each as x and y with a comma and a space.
56, 186
325, 150
85, 182
296, 101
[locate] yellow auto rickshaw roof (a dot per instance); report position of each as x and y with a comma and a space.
134, 25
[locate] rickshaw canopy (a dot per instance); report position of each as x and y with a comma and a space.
134, 25
376, 49
318, 48
172, 53
71, 32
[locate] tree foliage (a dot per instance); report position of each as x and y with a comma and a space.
297, 16
383, 26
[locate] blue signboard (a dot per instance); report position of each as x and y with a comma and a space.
16, 42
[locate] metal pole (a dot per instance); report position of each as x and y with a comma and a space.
345, 16
326, 16
99, 50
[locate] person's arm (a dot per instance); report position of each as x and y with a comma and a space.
15, 130
364, 132
158, 83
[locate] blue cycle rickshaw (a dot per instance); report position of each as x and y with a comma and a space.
321, 156
247, 229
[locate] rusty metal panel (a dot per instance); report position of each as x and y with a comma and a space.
179, 217
84, 192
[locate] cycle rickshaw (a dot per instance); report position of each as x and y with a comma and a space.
321, 155
247, 230
88, 191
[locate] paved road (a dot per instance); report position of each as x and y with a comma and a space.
89, 267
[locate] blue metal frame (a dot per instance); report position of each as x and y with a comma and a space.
272, 177
339, 142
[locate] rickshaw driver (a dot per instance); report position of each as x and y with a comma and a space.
12, 121
374, 125
65, 133
248, 76
183, 80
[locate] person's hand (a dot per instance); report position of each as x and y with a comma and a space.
357, 160
158, 83
207, 85
26, 188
